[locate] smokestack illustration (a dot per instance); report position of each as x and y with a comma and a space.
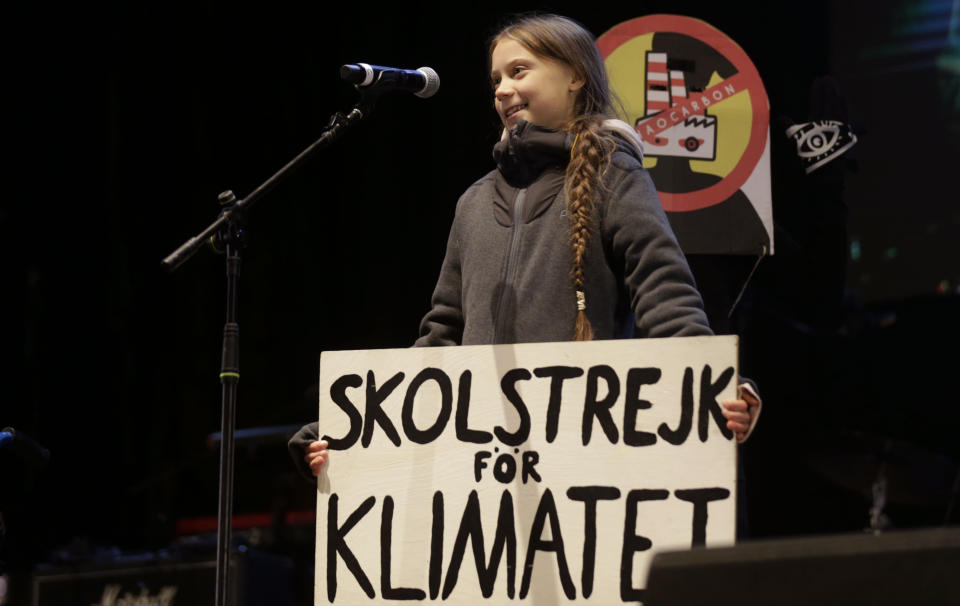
695, 137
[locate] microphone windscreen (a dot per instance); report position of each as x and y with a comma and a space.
433, 82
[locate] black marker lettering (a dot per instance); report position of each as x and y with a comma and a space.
430, 434
590, 495
436, 545
505, 468
632, 542
336, 545
700, 497
557, 374
708, 402
504, 539
547, 510
386, 540
464, 433
510, 391
600, 409
479, 462
637, 377
338, 393
530, 460
679, 436
375, 414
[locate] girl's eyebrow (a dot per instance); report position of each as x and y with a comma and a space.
519, 59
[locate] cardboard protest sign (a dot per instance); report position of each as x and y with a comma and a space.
534, 473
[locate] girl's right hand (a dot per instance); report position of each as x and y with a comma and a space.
316, 456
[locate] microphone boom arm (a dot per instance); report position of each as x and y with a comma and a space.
338, 124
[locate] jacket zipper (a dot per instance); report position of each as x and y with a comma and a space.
500, 321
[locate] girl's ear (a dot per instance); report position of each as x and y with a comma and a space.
577, 83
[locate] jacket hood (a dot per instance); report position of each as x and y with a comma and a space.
532, 156
630, 140
527, 150
525, 141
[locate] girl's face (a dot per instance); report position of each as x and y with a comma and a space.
528, 86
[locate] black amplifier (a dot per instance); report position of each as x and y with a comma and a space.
256, 579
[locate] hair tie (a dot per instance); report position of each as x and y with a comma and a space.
581, 301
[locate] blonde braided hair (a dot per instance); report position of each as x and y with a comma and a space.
588, 161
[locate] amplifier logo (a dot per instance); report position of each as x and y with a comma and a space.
111, 597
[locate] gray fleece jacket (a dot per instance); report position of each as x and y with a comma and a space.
506, 274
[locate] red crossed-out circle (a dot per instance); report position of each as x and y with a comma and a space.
711, 36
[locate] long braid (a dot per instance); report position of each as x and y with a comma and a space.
583, 180
564, 40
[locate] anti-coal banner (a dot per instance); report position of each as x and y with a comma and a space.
697, 100
538, 473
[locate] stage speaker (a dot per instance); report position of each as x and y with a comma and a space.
256, 579
901, 567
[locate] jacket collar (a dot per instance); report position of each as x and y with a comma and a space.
527, 150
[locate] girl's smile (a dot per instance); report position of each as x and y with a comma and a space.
535, 88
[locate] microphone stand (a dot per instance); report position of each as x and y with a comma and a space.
227, 234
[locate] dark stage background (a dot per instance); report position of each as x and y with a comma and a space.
128, 119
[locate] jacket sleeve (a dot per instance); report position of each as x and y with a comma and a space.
297, 447
658, 280
443, 324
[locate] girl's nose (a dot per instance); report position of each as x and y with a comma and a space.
502, 90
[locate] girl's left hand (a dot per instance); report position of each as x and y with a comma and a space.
316, 456
741, 414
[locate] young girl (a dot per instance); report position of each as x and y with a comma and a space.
566, 238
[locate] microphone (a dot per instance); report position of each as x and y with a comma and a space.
422, 82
